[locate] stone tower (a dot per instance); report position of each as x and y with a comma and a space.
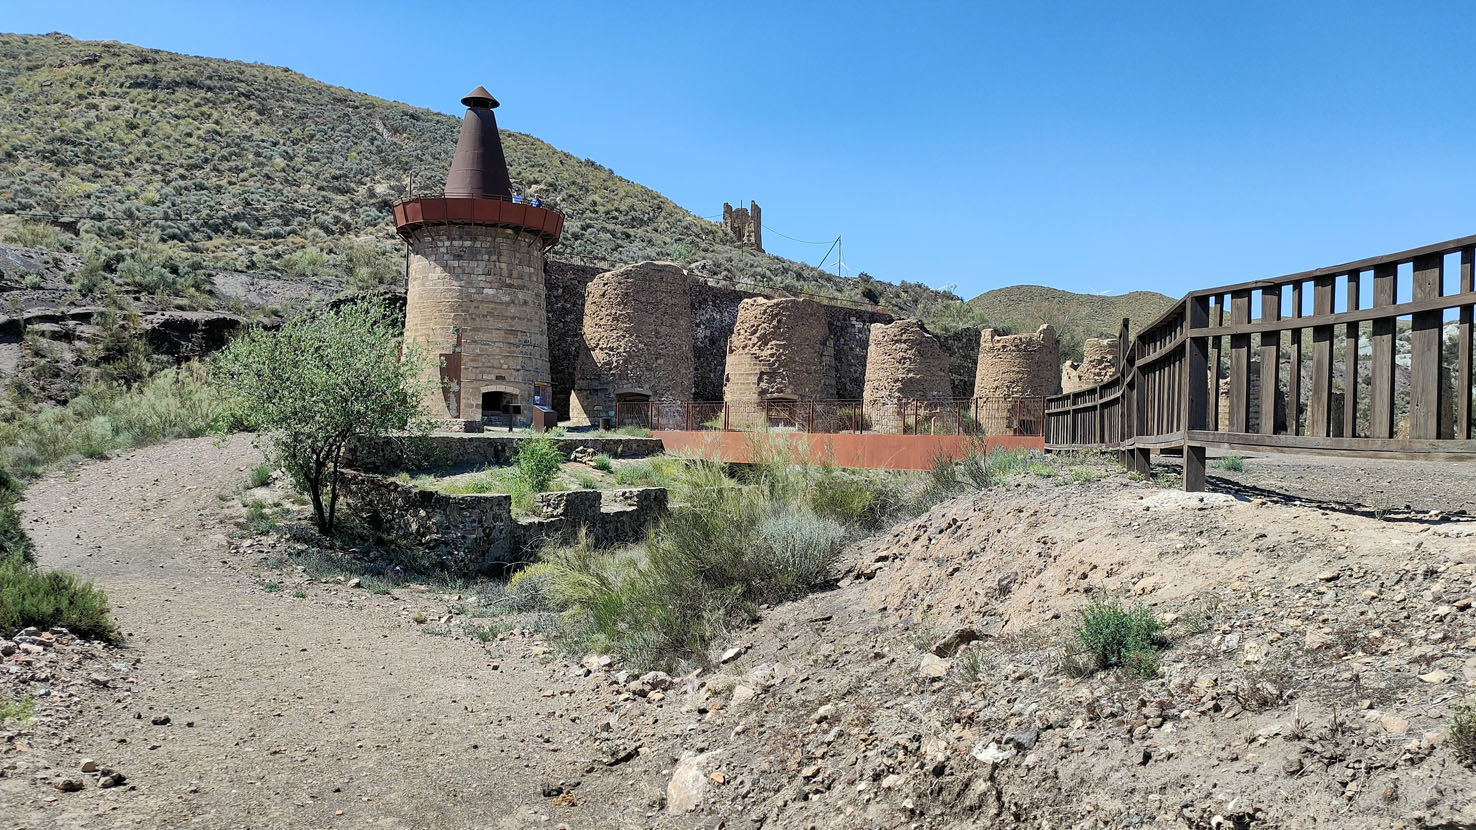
637, 341
744, 225
1098, 365
779, 356
475, 301
904, 365
1014, 367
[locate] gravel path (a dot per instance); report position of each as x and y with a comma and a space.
334, 710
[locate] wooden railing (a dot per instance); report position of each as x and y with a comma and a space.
1291, 376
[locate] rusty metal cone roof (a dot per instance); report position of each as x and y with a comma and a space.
479, 168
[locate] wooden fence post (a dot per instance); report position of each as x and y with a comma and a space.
1196, 381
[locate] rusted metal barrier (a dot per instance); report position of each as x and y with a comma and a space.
1251, 367
964, 416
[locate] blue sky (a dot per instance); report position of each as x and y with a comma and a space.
1089, 146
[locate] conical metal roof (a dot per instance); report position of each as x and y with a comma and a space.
479, 168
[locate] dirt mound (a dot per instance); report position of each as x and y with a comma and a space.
1313, 657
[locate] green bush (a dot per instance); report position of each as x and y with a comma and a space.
538, 461
1461, 720
20, 710
531, 589
601, 462
1113, 636
261, 475
47, 599
799, 550
1232, 463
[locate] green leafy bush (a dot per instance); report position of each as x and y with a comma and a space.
799, 549
601, 462
1461, 720
1232, 463
1114, 636
538, 461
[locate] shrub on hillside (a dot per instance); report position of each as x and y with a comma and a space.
531, 589
799, 550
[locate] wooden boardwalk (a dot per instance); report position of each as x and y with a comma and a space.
1311, 393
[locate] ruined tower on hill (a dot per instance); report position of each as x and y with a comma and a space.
475, 295
904, 366
744, 225
780, 360
637, 343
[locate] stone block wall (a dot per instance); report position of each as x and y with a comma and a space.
469, 451
962, 348
637, 339
903, 363
1097, 366
468, 535
475, 302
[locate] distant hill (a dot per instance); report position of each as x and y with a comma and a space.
1076, 317
177, 165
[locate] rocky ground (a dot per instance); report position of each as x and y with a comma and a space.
1314, 653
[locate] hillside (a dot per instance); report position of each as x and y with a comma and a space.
1075, 316
174, 166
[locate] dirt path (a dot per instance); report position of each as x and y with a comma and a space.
334, 710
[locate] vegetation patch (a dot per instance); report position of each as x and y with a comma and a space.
1461, 720
1110, 635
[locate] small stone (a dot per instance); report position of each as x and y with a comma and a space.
743, 694
1292, 766
688, 784
823, 714
355, 582
89, 765
1437, 676
1393, 724
160, 720
1329, 576
950, 645
992, 754
731, 654
933, 666
67, 785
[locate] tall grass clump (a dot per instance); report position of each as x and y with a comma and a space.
737, 537
538, 461
107, 417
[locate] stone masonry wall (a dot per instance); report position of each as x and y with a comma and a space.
780, 348
475, 302
903, 363
469, 535
466, 451
1098, 365
637, 338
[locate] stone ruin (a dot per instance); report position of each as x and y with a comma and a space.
1014, 366
637, 344
1098, 365
780, 351
904, 363
744, 225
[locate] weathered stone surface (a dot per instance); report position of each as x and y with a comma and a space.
780, 350
637, 340
904, 363
470, 533
475, 303
688, 784
458, 450
1012, 367
1097, 366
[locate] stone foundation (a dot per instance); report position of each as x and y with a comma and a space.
469, 535
462, 451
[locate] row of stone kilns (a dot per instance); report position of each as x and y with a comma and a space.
780, 360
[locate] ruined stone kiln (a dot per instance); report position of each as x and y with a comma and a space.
1098, 365
780, 358
904, 364
637, 341
1012, 367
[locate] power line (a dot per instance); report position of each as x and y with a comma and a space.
801, 241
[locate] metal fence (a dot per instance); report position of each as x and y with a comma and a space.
968, 416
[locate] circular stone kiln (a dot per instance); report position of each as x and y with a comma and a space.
637, 343
1014, 367
905, 366
1098, 365
780, 361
